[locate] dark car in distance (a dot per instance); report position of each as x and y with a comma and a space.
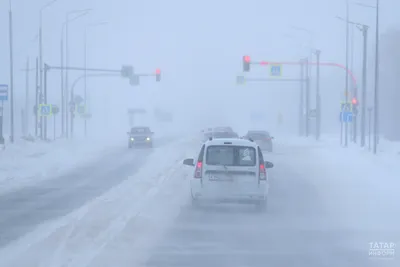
140, 136
262, 138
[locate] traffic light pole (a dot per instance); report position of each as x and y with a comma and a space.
364, 85
318, 102
301, 100
104, 72
307, 100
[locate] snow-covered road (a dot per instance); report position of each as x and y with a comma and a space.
326, 206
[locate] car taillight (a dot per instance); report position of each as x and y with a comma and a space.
263, 173
199, 170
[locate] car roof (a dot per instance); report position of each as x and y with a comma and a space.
233, 141
258, 132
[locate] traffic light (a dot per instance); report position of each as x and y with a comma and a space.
158, 75
126, 71
246, 63
354, 103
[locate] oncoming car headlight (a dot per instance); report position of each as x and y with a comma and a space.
148, 139
132, 139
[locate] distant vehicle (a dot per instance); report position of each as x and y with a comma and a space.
207, 135
225, 135
262, 138
223, 129
140, 136
230, 170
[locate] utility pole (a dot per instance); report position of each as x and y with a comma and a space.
318, 100
66, 77
37, 97
364, 84
301, 100
346, 93
62, 86
307, 100
85, 81
353, 128
376, 99
26, 117
11, 73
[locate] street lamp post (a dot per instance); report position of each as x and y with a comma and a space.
364, 29
376, 86
64, 92
85, 66
11, 73
66, 23
43, 94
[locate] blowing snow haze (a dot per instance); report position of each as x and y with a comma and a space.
106, 114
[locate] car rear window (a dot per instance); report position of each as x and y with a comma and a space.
257, 136
231, 156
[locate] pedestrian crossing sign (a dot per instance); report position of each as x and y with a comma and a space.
276, 70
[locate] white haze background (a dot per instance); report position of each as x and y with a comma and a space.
198, 46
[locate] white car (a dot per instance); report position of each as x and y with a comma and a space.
230, 170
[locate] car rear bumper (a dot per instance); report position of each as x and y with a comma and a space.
241, 195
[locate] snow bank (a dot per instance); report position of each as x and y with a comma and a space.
25, 163
121, 217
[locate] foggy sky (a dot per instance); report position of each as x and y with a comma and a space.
198, 45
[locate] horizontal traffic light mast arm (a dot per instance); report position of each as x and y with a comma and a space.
331, 64
48, 67
145, 74
273, 80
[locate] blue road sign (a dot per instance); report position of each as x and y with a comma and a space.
3, 92
45, 110
276, 70
346, 116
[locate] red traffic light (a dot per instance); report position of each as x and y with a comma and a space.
246, 59
158, 75
354, 101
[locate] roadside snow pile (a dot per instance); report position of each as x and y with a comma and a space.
111, 227
26, 162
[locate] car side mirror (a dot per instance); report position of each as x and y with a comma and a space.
268, 165
188, 162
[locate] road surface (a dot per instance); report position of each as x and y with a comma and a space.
22, 210
308, 223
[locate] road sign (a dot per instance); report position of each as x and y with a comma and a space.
276, 70
55, 109
312, 113
81, 109
346, 106
240, 80
346, 116
45, 110
3, 92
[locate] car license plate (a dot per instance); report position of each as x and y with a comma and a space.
214, 178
